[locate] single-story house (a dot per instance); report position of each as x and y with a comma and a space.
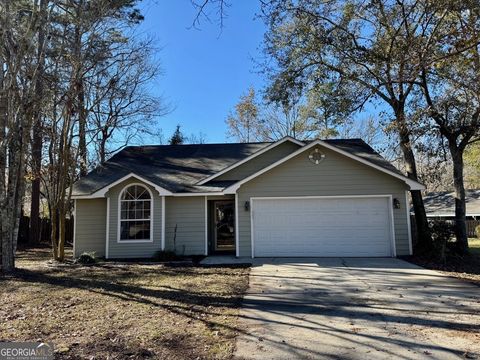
272, 199
441, 206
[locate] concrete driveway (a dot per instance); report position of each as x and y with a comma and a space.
347, 308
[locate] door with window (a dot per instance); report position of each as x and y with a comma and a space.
224, 226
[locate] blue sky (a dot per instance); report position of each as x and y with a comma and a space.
205, 71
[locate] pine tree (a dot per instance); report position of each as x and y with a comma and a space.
177, 138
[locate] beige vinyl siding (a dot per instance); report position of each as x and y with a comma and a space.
259, 162
335, 175
121, 250
188, 214
90, 223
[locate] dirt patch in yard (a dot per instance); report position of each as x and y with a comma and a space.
466, 268
120, 311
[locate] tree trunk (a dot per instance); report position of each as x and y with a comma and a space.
8, 260
3, 158
460, 207
61, 235
13, 201
12, 196
20, 178
54, 232
102, 149
424, 237
82, 129
34, 235
80, 93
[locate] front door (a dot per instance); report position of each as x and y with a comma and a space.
224, 226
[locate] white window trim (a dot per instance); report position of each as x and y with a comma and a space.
254, 155
389, 198
413, 185
119, 220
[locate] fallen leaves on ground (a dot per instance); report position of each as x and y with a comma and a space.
119, 311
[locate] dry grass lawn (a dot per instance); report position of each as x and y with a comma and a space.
120, 311
474, 245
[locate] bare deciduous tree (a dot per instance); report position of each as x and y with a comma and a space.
120, 106
19, 23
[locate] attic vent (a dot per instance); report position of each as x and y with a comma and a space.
316, 156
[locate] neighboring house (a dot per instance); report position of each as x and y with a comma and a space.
282, 199
441, 206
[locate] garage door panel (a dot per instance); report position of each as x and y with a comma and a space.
321, 227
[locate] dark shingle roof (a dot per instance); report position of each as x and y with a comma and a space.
361, 149
174, 167
443, 203
178, 168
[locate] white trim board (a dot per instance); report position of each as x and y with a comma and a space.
206, 226
93, 196
447, 215
252, 237
392, 226
74, 225
389, 198
237, 239
103, 191
107, 230
412, 184
409, 224
163, 224
254, 155
218, 193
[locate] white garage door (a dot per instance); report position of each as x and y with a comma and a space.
307, 227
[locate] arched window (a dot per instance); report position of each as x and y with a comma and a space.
135, 214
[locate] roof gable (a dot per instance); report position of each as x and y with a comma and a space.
257, 163
101, 192
255, 155
374, 160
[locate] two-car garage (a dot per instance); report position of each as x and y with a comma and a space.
346, 226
